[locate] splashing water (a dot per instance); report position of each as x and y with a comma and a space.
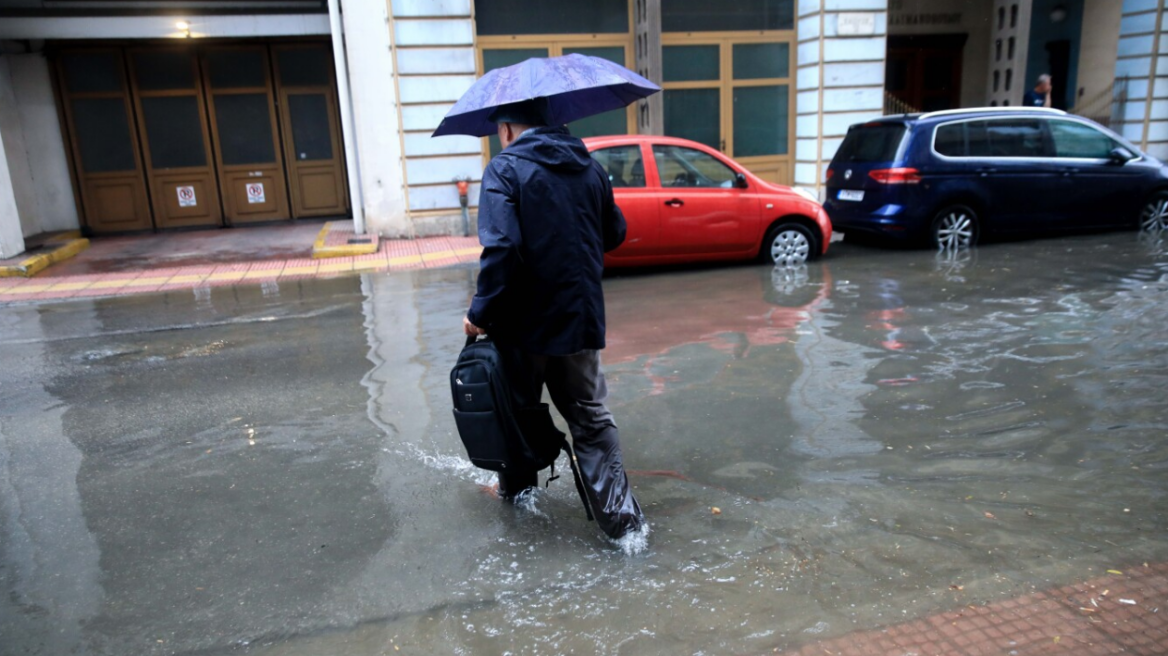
634, 542
525, 501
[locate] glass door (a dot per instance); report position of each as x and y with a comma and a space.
172, 125
494, 53
243, 129
312, 136
104, 147
732, 92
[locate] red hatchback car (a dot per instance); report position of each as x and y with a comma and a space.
686, 202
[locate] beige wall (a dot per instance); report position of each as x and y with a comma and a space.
1098, 49
970, 17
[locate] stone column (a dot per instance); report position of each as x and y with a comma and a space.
1142, 72
435, 47
840, 79
647, 47
1009, 45
376, 127
11, 235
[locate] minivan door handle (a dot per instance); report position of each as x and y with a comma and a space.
985, 171
1068, 172
675, 202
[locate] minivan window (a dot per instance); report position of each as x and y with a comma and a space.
1011, 137
1015, 137
871, 142
1073, 139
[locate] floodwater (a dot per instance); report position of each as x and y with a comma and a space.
879, 436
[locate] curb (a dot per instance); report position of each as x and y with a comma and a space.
37, 263
320, 250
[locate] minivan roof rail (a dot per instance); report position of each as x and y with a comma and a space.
947, 112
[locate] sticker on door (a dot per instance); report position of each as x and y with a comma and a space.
186, 197
255, 193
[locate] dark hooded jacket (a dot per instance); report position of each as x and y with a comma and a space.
546, 219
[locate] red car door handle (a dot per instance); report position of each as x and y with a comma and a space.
675, 202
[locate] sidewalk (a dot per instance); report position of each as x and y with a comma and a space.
1121, 613
119, 266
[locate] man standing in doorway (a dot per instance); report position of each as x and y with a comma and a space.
1039, 96
546, 219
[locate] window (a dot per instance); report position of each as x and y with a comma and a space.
624, 165
1077, 140
998, 50
874, 142
507, 17
1014, 15
690, 63
950, 140
1014, 137
686, 167
997, 138
742, 15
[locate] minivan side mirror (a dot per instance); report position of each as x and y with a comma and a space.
740, 180
1120, 156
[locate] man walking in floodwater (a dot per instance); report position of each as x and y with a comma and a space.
546, 218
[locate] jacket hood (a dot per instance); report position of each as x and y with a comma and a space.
554, 148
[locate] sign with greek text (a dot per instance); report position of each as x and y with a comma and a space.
856, 23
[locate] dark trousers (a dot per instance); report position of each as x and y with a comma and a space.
578, 391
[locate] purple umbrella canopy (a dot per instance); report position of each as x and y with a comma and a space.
575, 86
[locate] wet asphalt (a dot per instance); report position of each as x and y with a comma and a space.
878, 436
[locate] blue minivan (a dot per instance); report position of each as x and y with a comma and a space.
952, 176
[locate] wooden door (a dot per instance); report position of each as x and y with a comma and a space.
243, 128
96, 101
172, 124
312, 135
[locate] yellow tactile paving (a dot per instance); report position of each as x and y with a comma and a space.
437, 255
334, 267
405, 259
186, 280
147, 282
227, 275
263, 273
109, 284
299, 271
27, 289
364, 265
69, 286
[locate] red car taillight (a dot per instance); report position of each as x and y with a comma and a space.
830, 172
896, 176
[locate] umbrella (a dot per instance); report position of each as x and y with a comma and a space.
575, 86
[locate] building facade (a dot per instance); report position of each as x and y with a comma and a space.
137, 115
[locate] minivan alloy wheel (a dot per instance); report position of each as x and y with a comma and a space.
789, 246
1155, 214
954, 228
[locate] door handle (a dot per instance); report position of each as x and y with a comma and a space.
986, 171
675, 202
1068, 172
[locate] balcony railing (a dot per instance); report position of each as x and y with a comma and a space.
894, 105
1105, 107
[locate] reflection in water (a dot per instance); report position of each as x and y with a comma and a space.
49, 568
856, 423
